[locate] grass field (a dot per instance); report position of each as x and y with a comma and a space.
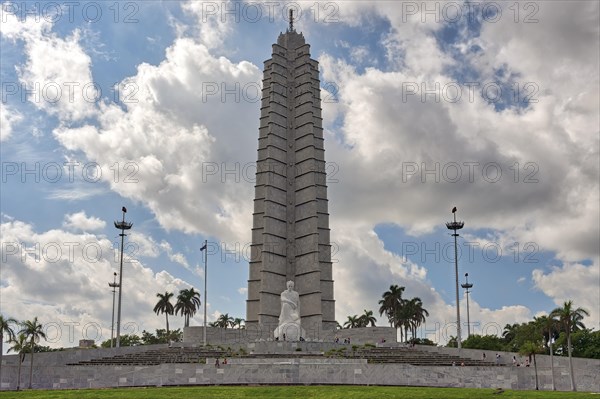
285, 392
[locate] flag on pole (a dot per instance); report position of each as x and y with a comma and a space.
203, 247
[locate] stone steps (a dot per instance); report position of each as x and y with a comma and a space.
372, 355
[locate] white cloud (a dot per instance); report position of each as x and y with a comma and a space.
63, 277
81, 222
573, 281
9, 117
57, 71
214, 25
141, 245
402, 148
175, 135
364, 270
178, 129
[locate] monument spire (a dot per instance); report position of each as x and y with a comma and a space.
290, 234
291, 20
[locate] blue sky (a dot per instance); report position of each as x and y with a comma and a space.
527, 161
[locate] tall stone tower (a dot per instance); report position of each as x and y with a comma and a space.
290, 234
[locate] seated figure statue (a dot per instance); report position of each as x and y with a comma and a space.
289, 328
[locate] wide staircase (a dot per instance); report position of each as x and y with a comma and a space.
402, 355
414, 356
155, 357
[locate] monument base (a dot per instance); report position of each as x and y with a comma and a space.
289, 332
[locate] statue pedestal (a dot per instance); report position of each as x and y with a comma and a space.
292, 331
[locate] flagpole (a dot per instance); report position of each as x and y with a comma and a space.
205, 249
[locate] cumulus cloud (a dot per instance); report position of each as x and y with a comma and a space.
363, 270
9, 117
176, 257
183, 144
63, 277
177, 141
80, 221
57, 71
572, 281
416, 156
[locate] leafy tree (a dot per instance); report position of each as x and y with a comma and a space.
5, 330
21, 347
33, 330
484, 342
452, 342
164, 338
165, 306
41, 349
550, 329
524, 332
148, 338
423, 341
571, 320
188, 301
585, 343
126, 340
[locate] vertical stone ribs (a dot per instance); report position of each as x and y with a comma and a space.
290, 234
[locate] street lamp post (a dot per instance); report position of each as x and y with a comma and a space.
204, 249
454, 225
467, 286
122, 225
114, 286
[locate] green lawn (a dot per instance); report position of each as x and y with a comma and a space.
284, 392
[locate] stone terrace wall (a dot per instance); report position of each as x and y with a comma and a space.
51, 372
220, 336
289, 371
561, 366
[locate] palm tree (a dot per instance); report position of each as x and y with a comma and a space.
352, 322
5, 328
390, 303
530, 349
510, 332
165, 306
416, 314
188, 301
33, 330
367, 318
238, 322
20, 346
403, 319
549, 328
225, 321
571, 321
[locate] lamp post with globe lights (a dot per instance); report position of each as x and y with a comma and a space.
455, 226
114, 286
467, 286
122, 225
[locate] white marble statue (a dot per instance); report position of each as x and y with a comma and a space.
289, 328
